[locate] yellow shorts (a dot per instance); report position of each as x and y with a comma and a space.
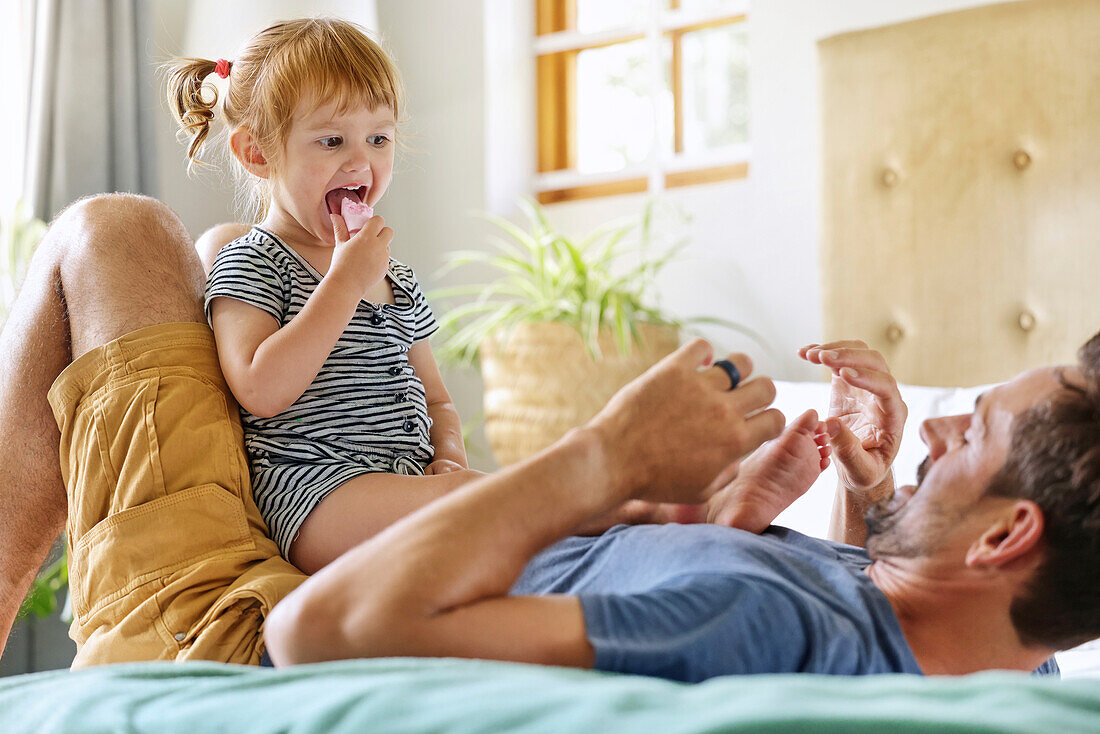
168, 556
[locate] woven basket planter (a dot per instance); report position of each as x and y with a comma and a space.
540, 381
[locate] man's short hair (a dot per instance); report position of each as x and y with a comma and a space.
1054, 461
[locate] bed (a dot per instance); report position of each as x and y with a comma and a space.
402, 695
940, 182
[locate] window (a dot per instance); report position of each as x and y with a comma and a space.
640, 95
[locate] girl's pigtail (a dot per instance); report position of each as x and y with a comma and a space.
188, 102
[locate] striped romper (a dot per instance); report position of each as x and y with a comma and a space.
365, 412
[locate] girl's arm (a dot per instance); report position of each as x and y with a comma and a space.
268, 368
446, 432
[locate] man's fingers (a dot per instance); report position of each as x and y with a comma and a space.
812, 352
840, 344
721, 379
879, 384
763, 426
865, 359
753, 395
845, 445
694, 354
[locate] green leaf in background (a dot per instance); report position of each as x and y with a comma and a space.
546, 276
20, 233
42, 599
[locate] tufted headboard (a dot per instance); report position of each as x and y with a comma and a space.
961, 180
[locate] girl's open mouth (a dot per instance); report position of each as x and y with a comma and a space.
335, 198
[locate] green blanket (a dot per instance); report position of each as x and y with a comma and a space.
406, 695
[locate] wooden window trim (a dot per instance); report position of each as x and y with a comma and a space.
557, 101
640, 184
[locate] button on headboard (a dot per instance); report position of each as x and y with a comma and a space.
961, 189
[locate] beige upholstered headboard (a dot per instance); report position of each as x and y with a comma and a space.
961, 179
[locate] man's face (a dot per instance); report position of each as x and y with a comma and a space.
965, 452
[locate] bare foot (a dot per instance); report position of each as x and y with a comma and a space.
777, 474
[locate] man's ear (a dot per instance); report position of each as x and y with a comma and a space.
247, 150
1016, 533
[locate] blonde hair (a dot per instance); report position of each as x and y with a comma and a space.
327, 60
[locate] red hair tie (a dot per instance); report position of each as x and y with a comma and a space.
221, 68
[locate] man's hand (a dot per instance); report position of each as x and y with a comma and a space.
777, 474
361, 260
866, 415
443, 466
671, 431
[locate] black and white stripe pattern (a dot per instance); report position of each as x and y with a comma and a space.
365, 412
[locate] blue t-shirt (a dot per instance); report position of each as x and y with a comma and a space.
689, 602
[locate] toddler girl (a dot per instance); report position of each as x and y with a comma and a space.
321, 335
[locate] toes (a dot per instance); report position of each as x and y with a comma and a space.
806, 423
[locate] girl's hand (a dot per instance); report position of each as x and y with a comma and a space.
443, 466
362, 260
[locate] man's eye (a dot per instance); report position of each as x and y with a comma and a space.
331, 142
378, 140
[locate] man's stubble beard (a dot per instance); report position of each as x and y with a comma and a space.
886, 534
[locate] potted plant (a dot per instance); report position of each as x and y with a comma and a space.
564, 325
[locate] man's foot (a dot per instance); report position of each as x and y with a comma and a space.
772, 478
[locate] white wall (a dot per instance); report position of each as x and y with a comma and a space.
441, 180
469, 77
753, 257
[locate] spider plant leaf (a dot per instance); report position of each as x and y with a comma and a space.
501, 287
604, 230
732, 326
590, 328
608, 251
622, 327
499, 262
534, 211
508, 248
529, 242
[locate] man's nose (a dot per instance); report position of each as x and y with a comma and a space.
937, 433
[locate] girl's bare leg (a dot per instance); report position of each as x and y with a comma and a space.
361, 508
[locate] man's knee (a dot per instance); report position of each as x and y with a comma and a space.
125, 262
120, 219
127, 232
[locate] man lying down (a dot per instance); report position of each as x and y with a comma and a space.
990, 562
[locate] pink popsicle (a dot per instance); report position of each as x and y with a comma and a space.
355, 214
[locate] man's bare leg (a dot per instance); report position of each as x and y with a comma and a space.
108, 265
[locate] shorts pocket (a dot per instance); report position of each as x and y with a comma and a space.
132, 547
127, 442
196, 435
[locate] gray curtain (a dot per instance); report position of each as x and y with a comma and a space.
91, 101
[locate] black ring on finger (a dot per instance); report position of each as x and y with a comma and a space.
730, 369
